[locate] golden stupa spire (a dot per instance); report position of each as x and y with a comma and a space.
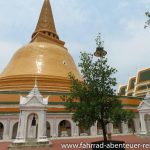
46, 23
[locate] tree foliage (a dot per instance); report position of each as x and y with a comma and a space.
94, 98
147, 23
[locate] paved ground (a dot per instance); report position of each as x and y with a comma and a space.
57, 143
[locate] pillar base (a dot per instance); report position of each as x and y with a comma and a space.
143, 133
29, 144
43, 139
19, 140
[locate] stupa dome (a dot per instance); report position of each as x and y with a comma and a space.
41, 58
44, 58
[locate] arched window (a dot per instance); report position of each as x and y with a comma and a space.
117, 128
14, 131
48, 129
131, 127
83, 131
64, 129
32, 126
1, 130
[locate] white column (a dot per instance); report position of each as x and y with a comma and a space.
109, 128
75, 131
96, 128
93, 130
143, 126
54, 128
6, 130
137, 125
22, 126
42, 127
124, 128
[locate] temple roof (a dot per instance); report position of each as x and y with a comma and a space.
46, 22
35, 91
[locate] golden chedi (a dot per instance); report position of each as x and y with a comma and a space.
45, 58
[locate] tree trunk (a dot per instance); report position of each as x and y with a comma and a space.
104, 131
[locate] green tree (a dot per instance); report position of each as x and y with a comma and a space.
94, 99
147, 23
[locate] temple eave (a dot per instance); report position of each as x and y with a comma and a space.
40, 37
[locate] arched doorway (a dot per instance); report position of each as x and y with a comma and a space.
131, 127
64, 129
1, 130
32, 126
14, 131
117, 128
99, 129
83, 131
48, 129
147, 122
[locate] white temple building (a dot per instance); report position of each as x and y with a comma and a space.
32, 118
144, 113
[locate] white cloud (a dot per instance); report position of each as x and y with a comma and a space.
131, 52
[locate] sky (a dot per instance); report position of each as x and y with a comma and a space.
120, 22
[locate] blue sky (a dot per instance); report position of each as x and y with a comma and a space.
121, 23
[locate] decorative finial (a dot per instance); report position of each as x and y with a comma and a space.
35, 82
100, 52
99, 43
